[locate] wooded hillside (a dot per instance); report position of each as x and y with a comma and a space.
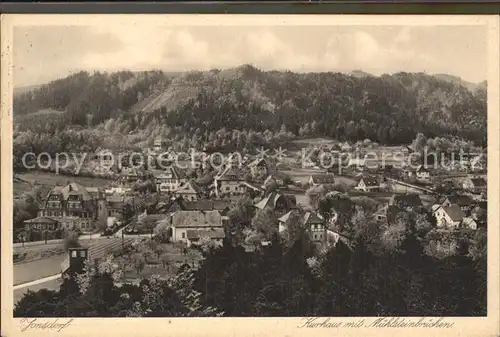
388, 109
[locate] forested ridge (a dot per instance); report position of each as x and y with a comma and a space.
389, 109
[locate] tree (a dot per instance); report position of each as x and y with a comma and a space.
192, 256
368, 205
139, 262
271, 186
363, 227
480, 214
294, 229
37, 304
265, 222
207, 245
478, 249
166, 261
315, 194
419, 143
393, 236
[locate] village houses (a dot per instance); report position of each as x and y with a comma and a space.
229, 182
313, 223
42, 224
368, 184
279, 203
170, 180
357, 163
406, 201
387, 214
475, 185
259, 167
465, 202
448, 216
179, 204
421, 173
321, 179
115, 205
104, 157
189, 191
190, 226
75, 206
158, 145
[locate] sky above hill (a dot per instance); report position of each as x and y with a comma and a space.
44, 53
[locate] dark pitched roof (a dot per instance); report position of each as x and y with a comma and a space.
308, 217
392, 212
422, 168
205, 205
177, 172
72, 189
272, 198
460, 200
478, 182
369, 180
212, 233
42, 219
153, 217
230, 174
454, 212
482, 204
197, 219
188, 187
312, 218
258, 162
115, 198
405, 200
323, 178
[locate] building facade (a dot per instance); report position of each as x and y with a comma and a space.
170, 180
449, 216
368, 184
189, 191
75, 206
193, 221
259, 167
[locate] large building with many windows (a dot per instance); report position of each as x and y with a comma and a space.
75, 206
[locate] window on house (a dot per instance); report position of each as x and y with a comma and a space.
74, 253
82, 253
183, 235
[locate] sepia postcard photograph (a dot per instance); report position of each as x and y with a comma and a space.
294, 174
